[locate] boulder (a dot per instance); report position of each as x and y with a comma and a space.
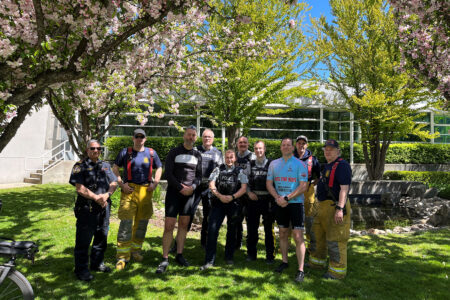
441, 217
417, 191
431, 193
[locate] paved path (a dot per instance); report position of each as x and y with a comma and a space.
14, 185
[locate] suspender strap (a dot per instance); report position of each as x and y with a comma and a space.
309, 167
333, 170
129, 159
150, 170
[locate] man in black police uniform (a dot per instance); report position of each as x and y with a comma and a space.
243, 157
260, 203
95, 182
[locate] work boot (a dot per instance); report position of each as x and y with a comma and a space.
329, 276
181, 260
281, 267
137, 256
120, 265
300, 276
162, 266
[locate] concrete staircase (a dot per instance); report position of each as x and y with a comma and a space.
36, 177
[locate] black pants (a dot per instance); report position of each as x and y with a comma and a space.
218, 212
92, 222
265, 207
243, 215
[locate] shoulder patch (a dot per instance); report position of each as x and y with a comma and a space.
76, 169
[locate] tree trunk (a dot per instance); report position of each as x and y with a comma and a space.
11, 129
232, 133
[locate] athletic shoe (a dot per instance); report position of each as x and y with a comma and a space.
300, 276
86, 276
250, 258
181, 260
229, 262
137, 256
102, 268
270, 261
162, 267
281, 267
206, 266
120, 265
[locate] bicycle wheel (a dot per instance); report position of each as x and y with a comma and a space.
15, 286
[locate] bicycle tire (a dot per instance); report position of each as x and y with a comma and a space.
15, 286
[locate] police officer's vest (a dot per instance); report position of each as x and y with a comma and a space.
258, 176
243, 161
227, 183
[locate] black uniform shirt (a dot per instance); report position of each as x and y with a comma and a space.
342, 176
94, 176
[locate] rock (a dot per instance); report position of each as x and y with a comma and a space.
431, 193
397, 229
389, 199
388, 231
371, 231
363, 232
415, 227
406, 229
441, 217
381, 231
416, 191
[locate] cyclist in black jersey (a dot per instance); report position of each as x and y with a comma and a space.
184, 174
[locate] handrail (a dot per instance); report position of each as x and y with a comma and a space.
49, 156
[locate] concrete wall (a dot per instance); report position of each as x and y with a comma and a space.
59, 173
360, 171
39, 133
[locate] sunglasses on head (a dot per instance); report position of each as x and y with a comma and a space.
139, 137
96, 148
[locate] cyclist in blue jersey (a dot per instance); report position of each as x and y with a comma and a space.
287, 180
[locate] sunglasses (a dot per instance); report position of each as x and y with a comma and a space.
96, 148
139, 137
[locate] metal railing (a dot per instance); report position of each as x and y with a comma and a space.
52, 157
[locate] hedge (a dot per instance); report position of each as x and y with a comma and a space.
397, 153
439, 180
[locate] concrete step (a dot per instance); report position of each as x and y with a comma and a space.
36, 175
32, 180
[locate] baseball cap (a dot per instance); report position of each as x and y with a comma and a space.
332, 143
302, 137
139, 131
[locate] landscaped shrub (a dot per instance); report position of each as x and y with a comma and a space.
397, 153
439, 180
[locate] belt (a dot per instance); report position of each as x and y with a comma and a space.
144, 184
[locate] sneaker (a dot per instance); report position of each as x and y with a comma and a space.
250, 258
181, 260
162, 267
102, 268
229, 262
270, 261
329, 276
206, 266
120, 265
300, 276
85, 276
281, 267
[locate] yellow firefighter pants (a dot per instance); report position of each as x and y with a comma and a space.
134, 212
330, 238
309, 209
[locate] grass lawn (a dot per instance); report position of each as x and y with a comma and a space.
414, 266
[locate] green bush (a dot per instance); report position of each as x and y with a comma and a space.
397, 153
439, 180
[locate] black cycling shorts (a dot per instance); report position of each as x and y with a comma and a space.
292, 215
178, 204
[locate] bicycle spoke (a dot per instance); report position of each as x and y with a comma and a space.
10, 290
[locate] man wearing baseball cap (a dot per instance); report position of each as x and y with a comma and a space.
331, 226
137, 186
304, 154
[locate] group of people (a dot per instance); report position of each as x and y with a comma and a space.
293, 190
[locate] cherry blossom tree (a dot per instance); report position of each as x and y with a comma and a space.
424, 36
45, 44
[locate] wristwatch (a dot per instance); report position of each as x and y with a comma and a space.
339, 208
109, 193
232, 197
286, 198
